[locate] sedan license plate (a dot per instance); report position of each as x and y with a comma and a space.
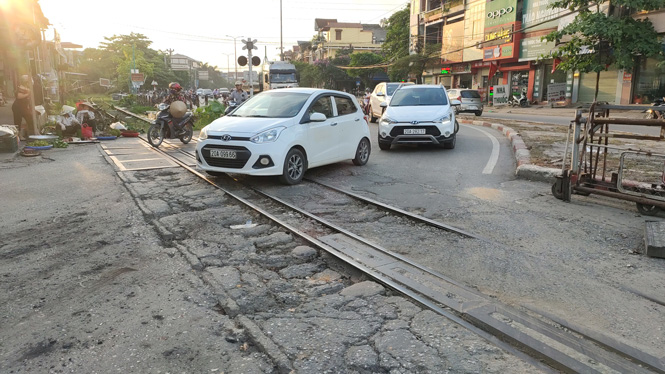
222, 153
414, 131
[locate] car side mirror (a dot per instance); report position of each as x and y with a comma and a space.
317, 117
455, 102
380, 94
383, 104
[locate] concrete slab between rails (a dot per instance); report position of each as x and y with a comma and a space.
525, 169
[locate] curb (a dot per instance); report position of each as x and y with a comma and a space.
525, 169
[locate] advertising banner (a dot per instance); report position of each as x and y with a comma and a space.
500, 12
556, 92
452, 42
537, 11
501, 93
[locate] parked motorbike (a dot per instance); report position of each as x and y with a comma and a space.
656, 113
521, 100
168, 127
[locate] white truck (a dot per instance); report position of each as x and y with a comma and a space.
278, 74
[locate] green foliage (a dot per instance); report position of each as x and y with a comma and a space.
206, 114
396, 45
140, 109
605, 35
127, 101
365, 59
38, 143
415, 64
58, 143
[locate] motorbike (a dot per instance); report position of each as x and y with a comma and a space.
521, 100
656, 113
168, 127
231, 105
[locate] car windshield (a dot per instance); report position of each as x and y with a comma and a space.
283, 78
470, 95
419, 96
273, 104
391, 87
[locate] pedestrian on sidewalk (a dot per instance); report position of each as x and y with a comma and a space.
22, 108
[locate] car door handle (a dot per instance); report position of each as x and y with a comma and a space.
333, 124
357, 119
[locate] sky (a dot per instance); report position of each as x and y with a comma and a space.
205, 29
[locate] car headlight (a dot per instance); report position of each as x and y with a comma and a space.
385, 120
267, 136
203, 135
447, 118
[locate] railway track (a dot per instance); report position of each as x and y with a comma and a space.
534, 338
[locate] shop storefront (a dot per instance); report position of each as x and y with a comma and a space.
648, 82
607, 87
462, 75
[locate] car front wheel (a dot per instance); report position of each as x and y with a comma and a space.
362, 152
450, 143
294, 167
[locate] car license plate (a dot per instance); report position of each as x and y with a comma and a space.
473, 107
222, 153
414, 131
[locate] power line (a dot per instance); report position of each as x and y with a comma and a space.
475, 45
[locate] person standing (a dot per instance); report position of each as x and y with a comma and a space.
22, 109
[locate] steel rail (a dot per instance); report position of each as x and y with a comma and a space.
379, 277
560, 349
400, 211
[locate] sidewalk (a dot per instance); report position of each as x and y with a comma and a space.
569, 112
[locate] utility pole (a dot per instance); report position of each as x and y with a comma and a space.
250, 45
281, 44
170, 51
228, 67
235, 56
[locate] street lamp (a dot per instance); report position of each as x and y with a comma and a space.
235, 57
228, 66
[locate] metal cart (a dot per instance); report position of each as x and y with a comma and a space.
598, 161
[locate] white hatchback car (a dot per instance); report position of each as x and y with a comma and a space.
382, 93
285, 132
419, 114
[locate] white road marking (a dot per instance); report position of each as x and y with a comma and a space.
494, 157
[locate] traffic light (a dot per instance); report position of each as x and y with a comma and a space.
491, 90
445, 71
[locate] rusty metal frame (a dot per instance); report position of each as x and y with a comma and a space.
588, 171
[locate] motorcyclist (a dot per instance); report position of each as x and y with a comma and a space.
366, 98
176, 94
238, 94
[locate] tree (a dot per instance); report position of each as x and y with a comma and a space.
131, 59
415, 64
365, 59
396, 45
608, 33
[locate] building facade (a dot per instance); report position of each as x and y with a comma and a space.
333, 36
498, 43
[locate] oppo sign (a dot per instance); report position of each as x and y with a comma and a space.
500, 12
